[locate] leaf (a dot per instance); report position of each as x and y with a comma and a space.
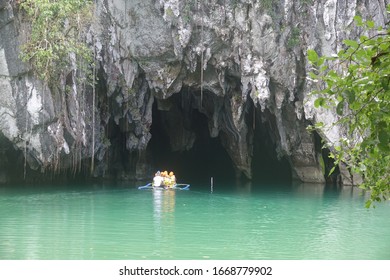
332, 170
340, 108
358, 20
313, 76
385, 82
370, 24
350, 96
321, 61
333, 74
312, 56
355, 106
363, 38
351, 43
384, 139
324, 68
319, 125
384, 47
341, 53
319, 102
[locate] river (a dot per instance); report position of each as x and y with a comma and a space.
233, 222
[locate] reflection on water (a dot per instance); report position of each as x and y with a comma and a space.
164, 221
302, 221
164, 207
322, 189
164, 201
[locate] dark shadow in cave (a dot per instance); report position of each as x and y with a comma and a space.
207, 158
266, 167
331, 179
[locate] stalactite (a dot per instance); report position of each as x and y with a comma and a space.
25, 145
254, 119
201, 59
93, 110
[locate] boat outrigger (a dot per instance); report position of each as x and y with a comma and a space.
184, 187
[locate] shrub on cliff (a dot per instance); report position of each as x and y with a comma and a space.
356, 83
56, 28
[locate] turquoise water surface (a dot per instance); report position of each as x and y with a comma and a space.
250, 222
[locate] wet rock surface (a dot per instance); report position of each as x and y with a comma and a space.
240, 64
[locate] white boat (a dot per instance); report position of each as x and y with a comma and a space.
150, 186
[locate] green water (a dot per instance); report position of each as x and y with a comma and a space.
257, 222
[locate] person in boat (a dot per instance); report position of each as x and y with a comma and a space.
172, 178
157, 180
167, 179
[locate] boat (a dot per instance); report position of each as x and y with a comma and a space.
184, 187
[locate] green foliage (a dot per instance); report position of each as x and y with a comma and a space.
293, 39
307, 2
169, 12
268, 5
188, 9
356, 83
56, 29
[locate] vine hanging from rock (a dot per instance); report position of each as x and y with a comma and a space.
56, 30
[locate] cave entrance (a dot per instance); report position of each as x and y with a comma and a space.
181, 142
267, 167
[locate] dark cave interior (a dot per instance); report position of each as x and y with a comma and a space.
207, 157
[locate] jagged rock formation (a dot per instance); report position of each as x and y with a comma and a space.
239, 63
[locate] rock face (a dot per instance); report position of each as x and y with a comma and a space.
239, 63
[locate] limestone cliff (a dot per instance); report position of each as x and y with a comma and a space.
241, 64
